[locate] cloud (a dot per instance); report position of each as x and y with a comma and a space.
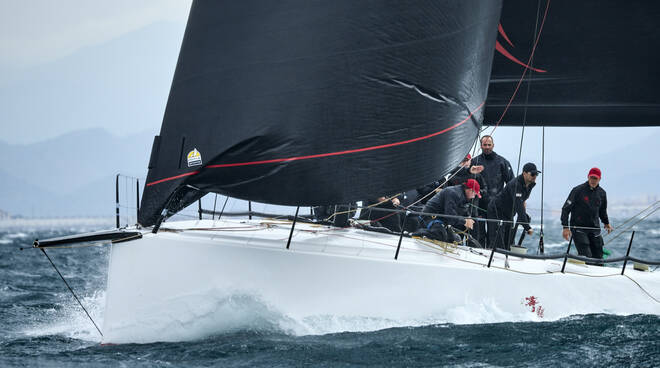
34, 32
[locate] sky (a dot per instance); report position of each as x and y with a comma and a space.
35, 34
72, 65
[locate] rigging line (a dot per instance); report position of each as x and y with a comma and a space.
437, 251
638, 213
434, 191
522, 77
524, 123
367, 207
405, 208
541, 245
631, 226
71, 290
642, 288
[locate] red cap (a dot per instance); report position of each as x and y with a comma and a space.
474, 185
594, 172
468, 157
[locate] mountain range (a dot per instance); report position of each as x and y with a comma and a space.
74, 174
71, 175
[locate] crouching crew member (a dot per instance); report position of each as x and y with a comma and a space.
451, 201
511, 201
585, 204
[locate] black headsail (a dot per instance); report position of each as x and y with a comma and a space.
305, 102
594, 64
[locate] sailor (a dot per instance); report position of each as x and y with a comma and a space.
387, 219
496, 172
463, 172
451, 201
586, 203
424, 192
457, 176
508, 202
338, 215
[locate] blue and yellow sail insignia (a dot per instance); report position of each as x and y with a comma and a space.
194, 158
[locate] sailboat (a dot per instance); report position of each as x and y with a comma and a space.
302, 103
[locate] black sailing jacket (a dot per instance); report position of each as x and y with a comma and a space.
461, 174
586, 205
450, 201
497, 172
510, 200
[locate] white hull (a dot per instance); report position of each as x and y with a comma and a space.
183, 285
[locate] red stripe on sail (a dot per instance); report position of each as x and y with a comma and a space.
172, 178
502, 50
329, 154
522, 77
501, 31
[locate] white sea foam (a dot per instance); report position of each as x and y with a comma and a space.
212, 314
71, 321
17, 235
477, 313
562, 244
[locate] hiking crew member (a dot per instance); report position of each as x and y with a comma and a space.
451, 201
463, 172
586, 203
387, 219
508, 202
457, 176
496, 172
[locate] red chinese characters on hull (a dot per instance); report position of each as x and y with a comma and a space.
535, 306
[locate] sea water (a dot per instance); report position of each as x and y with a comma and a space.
42, 324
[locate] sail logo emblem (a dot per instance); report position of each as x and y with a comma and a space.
194, 158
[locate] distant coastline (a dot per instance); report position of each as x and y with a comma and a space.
58, 222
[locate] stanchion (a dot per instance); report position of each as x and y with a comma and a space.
625, 262
288, 243
568, 250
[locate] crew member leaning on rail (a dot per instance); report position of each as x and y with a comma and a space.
451, 201
586, 203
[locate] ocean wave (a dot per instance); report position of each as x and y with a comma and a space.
211, 315
69, 320
17, 235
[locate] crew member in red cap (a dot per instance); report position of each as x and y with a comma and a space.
452, 202
585, 204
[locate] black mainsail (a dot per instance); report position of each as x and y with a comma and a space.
305, 102
594, 64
